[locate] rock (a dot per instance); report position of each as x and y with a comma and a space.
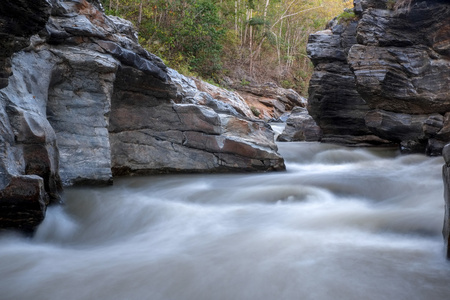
78, 109
181, 137
396, 126
334, 102
18, 21
23, 203
390, 69
268, 101
228, 97
404, 80
446, 177
85, 102
27, 133
300, 126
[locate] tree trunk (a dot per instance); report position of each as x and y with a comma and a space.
236, 16
140, 15
251, 44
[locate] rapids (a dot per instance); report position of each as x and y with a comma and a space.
340, 223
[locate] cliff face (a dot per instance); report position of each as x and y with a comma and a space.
83, 102
383, 77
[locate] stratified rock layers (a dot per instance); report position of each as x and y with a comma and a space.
384, 77
84, 102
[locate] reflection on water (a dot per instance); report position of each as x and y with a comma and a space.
340, 223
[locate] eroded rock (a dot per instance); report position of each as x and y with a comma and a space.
269, 101
300, 126
85, 102
389, 69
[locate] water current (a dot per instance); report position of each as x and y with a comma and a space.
340, 223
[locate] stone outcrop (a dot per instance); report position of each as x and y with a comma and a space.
384, 77
269, 101
158, 130
300, 126
18, 21
84, 102
29, 177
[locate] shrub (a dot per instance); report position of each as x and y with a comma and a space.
255, 111
244, 82
347, 16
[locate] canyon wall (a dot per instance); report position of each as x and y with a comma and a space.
382, 76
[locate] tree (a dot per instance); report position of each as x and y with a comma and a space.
264, 40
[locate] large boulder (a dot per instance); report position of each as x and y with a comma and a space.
155, 128
334, 101
269, 101
29, 177
300, 126
384, 75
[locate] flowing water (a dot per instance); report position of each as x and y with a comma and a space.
340, 223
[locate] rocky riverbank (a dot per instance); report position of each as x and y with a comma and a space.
382, 76
81, 102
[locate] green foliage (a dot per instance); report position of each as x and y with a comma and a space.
245, 82
255, 111
262, 40
287, 84
257, 21
199, 35
347, 16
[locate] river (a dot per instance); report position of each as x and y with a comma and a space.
340, 223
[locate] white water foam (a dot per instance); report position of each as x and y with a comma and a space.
340, 223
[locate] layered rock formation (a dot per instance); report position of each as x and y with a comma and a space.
18, 21
29, 177
269, 101
300, 126
85, 102
383, 77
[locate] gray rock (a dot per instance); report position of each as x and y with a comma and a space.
396, 126
23, 203
395, 61
18, 21
300, 126
403, 80
270, 100
85, 101
78, 107
334, 102
180, 137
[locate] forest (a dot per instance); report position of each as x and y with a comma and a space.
238, 41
